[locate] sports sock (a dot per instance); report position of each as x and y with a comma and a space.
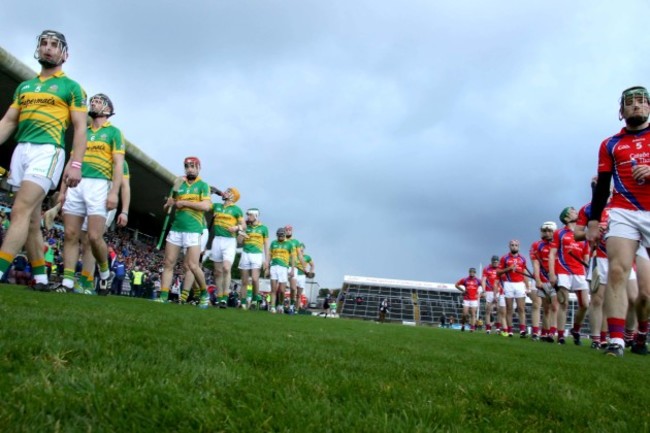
68, 278
104, 273
617, 330
184, 295
5, 262
39, 272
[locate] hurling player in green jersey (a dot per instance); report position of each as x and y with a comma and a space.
96, 194
282, 263
88, 260
41, 111
303, 273
228, 222
254, 257
298, 260
191, 203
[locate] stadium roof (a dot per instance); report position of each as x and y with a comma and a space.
150, 182
406, 284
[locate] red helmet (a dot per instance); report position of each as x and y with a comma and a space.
194, 160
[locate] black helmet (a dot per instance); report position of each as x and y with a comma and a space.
106, 103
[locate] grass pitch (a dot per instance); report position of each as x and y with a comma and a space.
73, 363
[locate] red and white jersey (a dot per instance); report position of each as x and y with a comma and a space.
540, 251
491, 279
472, 286
516, 276
583, 218
569, 252
618, 154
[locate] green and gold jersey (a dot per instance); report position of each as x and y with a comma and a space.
45, 106
280, 253
255, 237
191, 220
224, 218
102, 144
301, 271
296, 244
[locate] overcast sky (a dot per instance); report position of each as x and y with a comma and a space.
406, 140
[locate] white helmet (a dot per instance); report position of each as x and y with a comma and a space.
549, 225
254, 213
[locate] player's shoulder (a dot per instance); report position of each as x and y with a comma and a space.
27, 84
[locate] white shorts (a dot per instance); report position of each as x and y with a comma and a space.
279, 273
251, 261
573, 283
184, 240
88, 198
603, 269
223, 249
629, 224
205, 235
502, 301
295, 273
470, 304
489, 297
110, 216
514, 290
302, 280
41, 164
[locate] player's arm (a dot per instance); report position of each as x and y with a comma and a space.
524, 266
598, 203
118, 174
312, 266
9, 123
502, 269
536, 273
301, 258
551, 265
292, 262
125, 197
586, 252
267, 254
459, 286
203, 205
64, 187
72, 173
580, 233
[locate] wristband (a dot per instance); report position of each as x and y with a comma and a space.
125, 213
75, 164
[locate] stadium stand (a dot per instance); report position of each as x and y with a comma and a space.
418, 302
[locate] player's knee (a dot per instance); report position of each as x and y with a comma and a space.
95, 238
71, 234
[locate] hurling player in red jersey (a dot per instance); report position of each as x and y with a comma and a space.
471, 288
568, 273
546, 295
490, 284
625, 159
598, 332
512, 267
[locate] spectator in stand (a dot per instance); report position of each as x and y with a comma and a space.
175, 289
137, 281
119, 268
